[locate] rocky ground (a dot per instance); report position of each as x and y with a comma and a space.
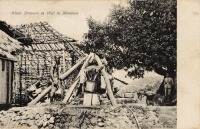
58, 116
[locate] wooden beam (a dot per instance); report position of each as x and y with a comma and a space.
44, 92
121, 81
65, 75
85, 64
108, 85
70, 91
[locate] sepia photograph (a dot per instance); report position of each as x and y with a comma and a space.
88, 64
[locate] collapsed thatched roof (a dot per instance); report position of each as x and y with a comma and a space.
45, 38
8, 45
9, 30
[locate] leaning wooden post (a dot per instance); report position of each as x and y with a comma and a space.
69, 92
44, 92
71, 89
63, 76
85, 64
108, 85
121, 81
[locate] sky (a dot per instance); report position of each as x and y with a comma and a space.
73, 26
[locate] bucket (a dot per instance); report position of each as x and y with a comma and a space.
90, 86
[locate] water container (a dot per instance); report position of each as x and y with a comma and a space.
90, 86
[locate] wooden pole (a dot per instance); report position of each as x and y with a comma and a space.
44, 92
31, 69
121, 81
12, 80
85, 63
64, 69
20, 79
71, 89
108, 85
26, 93
38, 70
64, 60
63, 76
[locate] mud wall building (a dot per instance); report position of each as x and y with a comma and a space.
8, 46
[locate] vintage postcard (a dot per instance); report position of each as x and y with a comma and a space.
102, 64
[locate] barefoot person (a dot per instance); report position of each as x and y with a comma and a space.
55, 74
168, 82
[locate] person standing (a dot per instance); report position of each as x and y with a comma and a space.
55, 75
168, 83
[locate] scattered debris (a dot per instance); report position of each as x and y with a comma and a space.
65, 117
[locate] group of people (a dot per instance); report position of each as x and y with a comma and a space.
90, 73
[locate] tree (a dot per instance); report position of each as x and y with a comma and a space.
141, 34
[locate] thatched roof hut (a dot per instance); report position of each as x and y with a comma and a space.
8, 46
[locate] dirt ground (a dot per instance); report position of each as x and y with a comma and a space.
59, 116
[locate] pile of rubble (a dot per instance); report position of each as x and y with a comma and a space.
65, 117
116, 119
26, 117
